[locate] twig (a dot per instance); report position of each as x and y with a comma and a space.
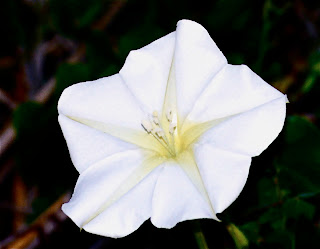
4, 98
45, 224
6, 138
6, 167
109, 15
20, 202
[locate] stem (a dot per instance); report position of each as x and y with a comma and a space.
199, 236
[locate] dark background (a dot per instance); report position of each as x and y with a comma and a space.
46, 46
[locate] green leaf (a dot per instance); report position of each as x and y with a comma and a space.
300, 181
222, 13
299, 164
270, 215
28, 117
138, 38
280, 239
73, 17
279, 225
267, 192
295, 208
90, 14
99, 54
251, 230
299, 128
314, 73
110, 70
68, 74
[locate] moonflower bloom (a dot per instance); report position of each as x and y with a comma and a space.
170, 137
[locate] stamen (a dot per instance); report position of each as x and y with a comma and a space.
154, 127
146, 124
162, 142
156, 120
172, 127
159, 132
169, 115
173, 123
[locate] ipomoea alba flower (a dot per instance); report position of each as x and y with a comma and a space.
169, 137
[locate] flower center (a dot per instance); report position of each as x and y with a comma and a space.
164, 131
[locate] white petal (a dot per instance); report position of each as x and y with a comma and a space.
233, 90
105, 100
87, 145
99, 183
146, 71
197, 60
250, 132
176, 199
224, 174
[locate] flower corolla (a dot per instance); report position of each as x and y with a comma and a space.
170, 137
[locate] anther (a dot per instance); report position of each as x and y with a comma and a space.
155, 117
146, 124
173, 123
159, 132
172, 127
155, 120
169, 115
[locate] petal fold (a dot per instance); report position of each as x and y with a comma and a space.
250, 132
87, 145
197, 60
106, 100
235, 89
224, 174
146, 72
95, 185
176, 199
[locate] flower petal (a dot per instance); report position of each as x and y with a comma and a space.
125, 213
250, 132
105, 100
176, 199
87, 145
197, 60
146, 71
224, 174
233, 90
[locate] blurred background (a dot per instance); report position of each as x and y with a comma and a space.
49, 45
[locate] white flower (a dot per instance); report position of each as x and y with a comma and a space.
170, 137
